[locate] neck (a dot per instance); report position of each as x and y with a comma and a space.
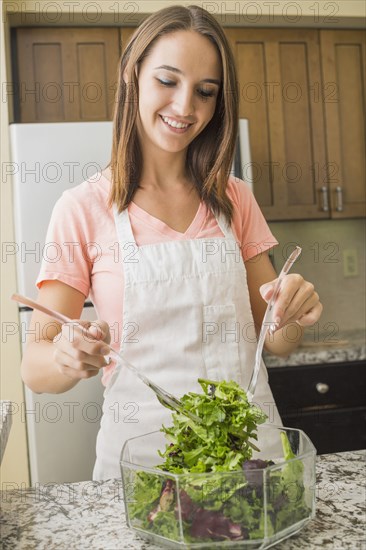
163, 178
162, 168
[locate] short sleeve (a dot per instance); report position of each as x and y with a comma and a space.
67, 256
249, 224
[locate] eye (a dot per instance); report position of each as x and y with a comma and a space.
165, 82
206, 93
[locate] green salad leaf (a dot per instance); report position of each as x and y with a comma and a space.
222, 441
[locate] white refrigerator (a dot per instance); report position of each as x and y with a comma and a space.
48, 158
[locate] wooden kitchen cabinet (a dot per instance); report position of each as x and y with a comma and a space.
125, 35
326, 401
278, 77
303, 92
65, 74
344, 87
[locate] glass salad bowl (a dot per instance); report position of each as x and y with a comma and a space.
266, 501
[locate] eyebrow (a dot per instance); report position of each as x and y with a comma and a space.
175, 70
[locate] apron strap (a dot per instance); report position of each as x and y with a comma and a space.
128, 247
123, 226
224, 226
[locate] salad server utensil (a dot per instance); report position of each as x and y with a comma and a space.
267, 320
166, 398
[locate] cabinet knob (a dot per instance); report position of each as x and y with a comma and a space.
324, 195
321, 387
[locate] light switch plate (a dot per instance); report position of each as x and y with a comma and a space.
350, 262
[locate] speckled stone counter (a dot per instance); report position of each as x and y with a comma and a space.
90, 515
5, 425
332, 347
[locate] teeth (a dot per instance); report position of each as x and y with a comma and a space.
174, 123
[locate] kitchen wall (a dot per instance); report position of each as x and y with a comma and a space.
322, 262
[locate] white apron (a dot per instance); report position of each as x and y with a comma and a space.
186, 315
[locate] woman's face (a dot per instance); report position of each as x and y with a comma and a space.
178, 86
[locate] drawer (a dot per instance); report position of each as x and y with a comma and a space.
332, 431
312, 386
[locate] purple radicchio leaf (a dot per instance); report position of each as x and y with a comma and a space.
215, 525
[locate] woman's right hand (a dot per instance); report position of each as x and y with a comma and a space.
80, 354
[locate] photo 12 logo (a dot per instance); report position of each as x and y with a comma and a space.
74, 411
229, 250
272, 11
50, 172
69, 11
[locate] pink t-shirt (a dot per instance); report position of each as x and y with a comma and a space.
86, 253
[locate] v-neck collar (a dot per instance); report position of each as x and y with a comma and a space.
166, 230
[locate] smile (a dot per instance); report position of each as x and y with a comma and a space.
174, 124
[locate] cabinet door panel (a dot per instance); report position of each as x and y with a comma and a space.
297, 123
254, 106
332, 431
48, 75
344, 60
66, 74
94, 98
285, 118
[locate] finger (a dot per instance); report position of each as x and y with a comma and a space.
266, 290
72, 337
77, 375
79, 360
69, 367
74, 352
288, 289
311, 317
303, 300
98, 360
306, 307
99, 330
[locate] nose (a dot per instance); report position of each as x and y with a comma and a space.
184, 101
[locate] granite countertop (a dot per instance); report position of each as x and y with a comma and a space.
5, 425
330, 347
90, 515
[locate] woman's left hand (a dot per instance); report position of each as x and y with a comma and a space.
297, 301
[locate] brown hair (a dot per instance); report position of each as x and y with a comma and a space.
210, 155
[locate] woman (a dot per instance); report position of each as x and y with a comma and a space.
172, 251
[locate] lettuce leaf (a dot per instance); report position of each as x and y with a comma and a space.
221, 442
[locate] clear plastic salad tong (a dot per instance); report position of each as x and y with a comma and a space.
267, 321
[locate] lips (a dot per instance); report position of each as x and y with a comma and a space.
174, 124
